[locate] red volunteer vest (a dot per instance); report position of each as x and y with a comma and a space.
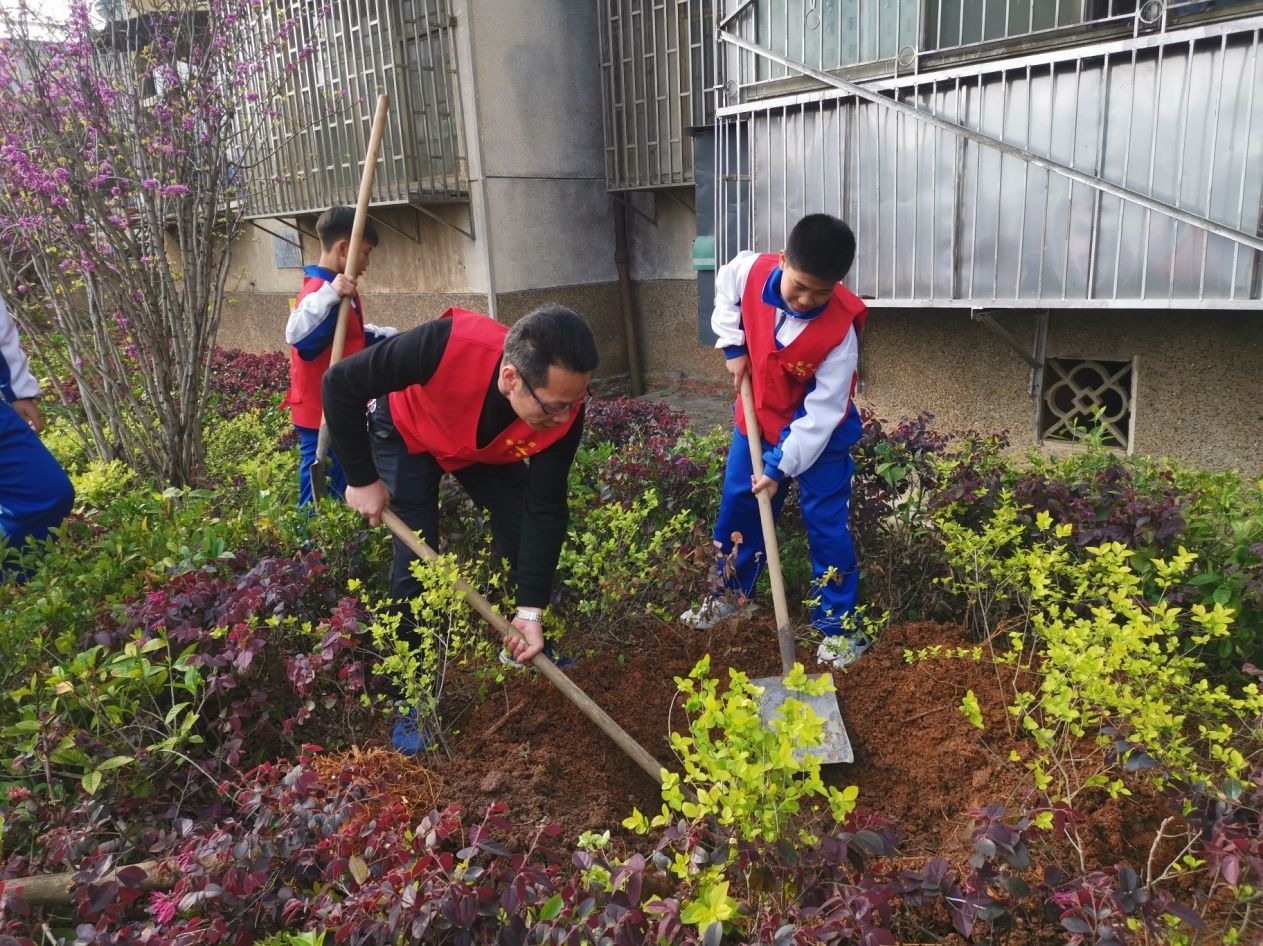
440, 417
303, 399
780, 378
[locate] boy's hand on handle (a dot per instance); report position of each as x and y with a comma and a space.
369, 500
737, 367
760, 483
523, 650
28, 410
344, 285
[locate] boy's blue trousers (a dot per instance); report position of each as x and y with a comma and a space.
335, 479
824, 495
35, 493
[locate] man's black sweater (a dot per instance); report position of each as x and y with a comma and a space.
412, 357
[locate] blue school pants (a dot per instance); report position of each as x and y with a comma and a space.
35, 493
335, 478
824, 495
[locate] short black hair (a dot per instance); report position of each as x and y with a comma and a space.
551, 335
336, 224
821, 246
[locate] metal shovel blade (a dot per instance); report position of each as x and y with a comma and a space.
836, 746
317, 473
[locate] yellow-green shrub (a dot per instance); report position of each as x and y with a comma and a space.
1118, 665
99, 483
616, 561
447, 633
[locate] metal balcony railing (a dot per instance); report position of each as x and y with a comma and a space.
885, 37
1117, 174
335, 60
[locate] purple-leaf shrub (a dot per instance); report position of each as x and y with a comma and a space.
625, 420
277, 659
1108, 507
240, 381
260, 675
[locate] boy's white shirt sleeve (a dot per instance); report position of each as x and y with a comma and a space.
22, 383
730, 285
823, 409
312, 309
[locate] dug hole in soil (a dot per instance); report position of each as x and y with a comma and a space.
917, 759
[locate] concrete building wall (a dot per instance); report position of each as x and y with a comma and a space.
661, 227
660, 232
668, 333
416, 254
1199, 392
550, 232
537, 98
419, 269
537, 78
531, 93
1198, 387
256, 321
530, 87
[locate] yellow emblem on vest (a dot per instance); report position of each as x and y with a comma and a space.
522, 448
802, 370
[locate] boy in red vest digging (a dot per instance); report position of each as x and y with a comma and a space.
309, 333
786, 320
499, 408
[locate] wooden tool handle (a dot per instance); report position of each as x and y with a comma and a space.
361, 215
568, 687
353, 252
784, 635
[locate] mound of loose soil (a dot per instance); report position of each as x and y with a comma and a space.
917, 759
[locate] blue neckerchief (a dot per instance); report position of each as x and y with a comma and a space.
772, 296
319, 272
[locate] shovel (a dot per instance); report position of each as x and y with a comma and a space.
318, 490
836, 746
568, 687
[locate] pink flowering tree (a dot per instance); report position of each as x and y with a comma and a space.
124, 146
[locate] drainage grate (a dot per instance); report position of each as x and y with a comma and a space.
1082, 394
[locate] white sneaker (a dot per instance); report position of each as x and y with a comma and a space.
711, 611
841, 650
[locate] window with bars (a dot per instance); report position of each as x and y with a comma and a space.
952, 23
1082, 395
337, 59
832, 34
836, 34
657, 66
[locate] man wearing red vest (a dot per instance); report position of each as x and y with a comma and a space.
469, 396
310, 330
788, 322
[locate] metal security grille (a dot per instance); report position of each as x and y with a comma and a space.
318, 128
657, 59
1083, 395
1127, 174
901, 36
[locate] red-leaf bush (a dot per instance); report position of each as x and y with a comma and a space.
208, 673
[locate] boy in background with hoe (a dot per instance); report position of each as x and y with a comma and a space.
310, 331
786, 320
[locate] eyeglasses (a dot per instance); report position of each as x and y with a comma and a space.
552, 411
